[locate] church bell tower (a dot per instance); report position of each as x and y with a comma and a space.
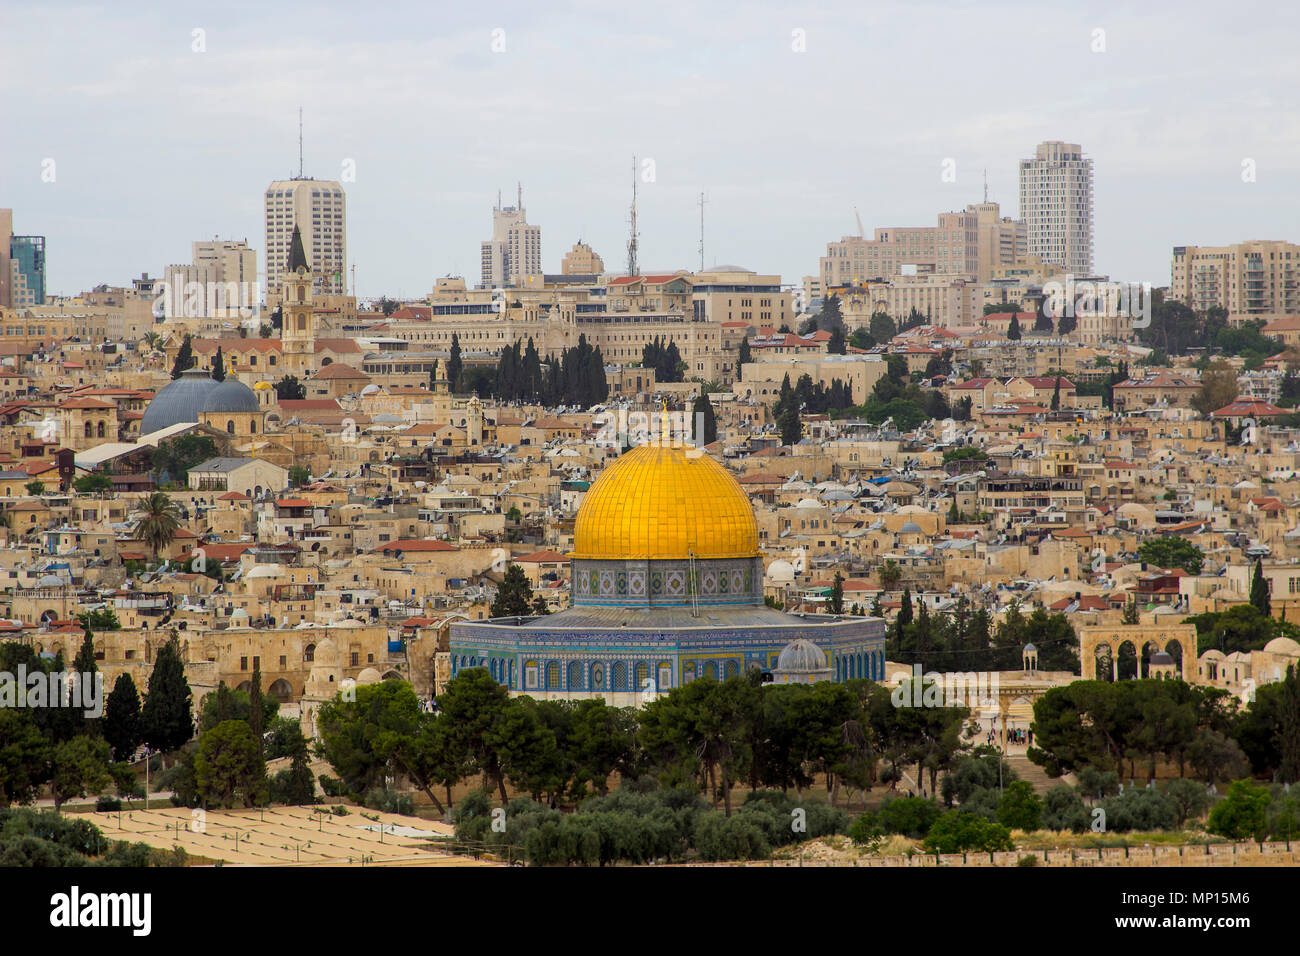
297, 312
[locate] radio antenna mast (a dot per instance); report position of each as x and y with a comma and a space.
300, 142
631, 242
702, 202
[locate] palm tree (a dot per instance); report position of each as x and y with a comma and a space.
890, 572
158, 522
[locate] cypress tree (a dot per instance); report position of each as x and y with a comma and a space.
122, 718
86, 670
255, 702
837, 594
454, 364
165, 717
1259, 597
184, 358
672, 359
702, 413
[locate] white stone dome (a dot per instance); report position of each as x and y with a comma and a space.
802, 657
780, 572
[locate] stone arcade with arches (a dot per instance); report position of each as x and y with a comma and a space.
1102, 646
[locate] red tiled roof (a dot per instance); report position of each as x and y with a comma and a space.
541, 557
1253, 408
339, 370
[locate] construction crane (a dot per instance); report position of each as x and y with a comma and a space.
861, 234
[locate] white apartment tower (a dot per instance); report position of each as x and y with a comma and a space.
1056, 206
515, 250
317, 207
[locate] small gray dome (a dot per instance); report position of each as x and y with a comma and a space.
1161, 659
1030, 649
911, 528
802, 656
178, 401
231, 395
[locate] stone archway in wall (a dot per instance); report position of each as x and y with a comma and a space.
281, 690
1174, 639
1103, 661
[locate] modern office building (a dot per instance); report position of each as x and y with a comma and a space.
22, 266
318, 208
515, 250
1056, 205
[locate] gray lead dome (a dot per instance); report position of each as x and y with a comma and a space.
194, 393
231, 395
179, 401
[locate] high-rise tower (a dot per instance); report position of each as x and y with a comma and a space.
515, 250
1056, 205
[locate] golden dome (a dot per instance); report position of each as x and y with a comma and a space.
662, 502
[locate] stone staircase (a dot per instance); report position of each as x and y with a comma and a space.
1026, 769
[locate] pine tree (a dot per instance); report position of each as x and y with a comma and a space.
837, 345
514, 594
790, 425
122, 718
1131, 615
165, 717
1259, 597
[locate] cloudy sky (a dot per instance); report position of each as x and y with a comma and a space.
151, 143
